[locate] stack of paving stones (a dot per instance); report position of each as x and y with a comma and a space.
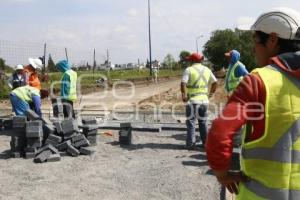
18, 139
90, 127
46, 141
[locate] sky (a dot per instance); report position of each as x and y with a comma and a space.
120, 26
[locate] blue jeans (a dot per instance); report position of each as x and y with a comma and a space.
196, 112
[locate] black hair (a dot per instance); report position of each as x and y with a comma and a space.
285, 45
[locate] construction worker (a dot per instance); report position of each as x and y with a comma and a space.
195, 84
31, 72
155, 73
68, 87
268, 101
236, 71
21, 97
18, 78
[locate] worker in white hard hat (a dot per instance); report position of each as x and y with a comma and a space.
31, 72
18, 78
267, 101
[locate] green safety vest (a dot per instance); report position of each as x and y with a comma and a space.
231, 81
273, 161
197, 86
25, 93
73, 85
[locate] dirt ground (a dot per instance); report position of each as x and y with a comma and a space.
154, 167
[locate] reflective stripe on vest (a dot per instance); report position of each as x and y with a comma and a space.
231, 81
73, 85
273, 161
25, 93
197, 86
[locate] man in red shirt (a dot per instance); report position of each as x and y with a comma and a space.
277, 49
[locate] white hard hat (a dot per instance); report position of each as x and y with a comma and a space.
36, 63
285, 22
19, 67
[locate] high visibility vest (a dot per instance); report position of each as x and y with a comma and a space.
273, 161
232, 81
73, 85
25, 93
197, 86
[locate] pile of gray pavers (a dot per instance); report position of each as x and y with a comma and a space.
47, 141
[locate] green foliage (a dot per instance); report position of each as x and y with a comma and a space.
51, 65
4, 89
169, 61
223, 41
182, 59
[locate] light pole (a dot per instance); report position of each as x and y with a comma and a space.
149, 29
198, 37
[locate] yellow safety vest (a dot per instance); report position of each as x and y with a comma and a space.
73, 85
25, 93
232, 81
273, 161
197, 86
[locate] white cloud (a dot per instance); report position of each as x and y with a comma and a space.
245, 23
133, 12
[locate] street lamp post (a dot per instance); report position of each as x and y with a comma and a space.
197, 48
149, 29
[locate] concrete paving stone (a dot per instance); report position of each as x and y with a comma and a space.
63, 153
29, 155
14, 154
43, 156
31, 149
77, 138
58, 127
36, 123
90, 132
47, 147
72, 151
70, 136
48, 129
81, 143
69, 126
55, 138
89, 120
19, 121
64, 145
87, 150
31, 114
54, 158
7, 124
53, 143
125, 125
53, 149
125, 137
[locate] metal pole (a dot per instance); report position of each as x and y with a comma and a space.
94, 64
150, 50
45, 47
66, 51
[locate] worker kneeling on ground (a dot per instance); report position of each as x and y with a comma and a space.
22, 97
68, 87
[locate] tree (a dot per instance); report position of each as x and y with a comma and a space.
169, 61
51, 64
223, 41
182, 59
